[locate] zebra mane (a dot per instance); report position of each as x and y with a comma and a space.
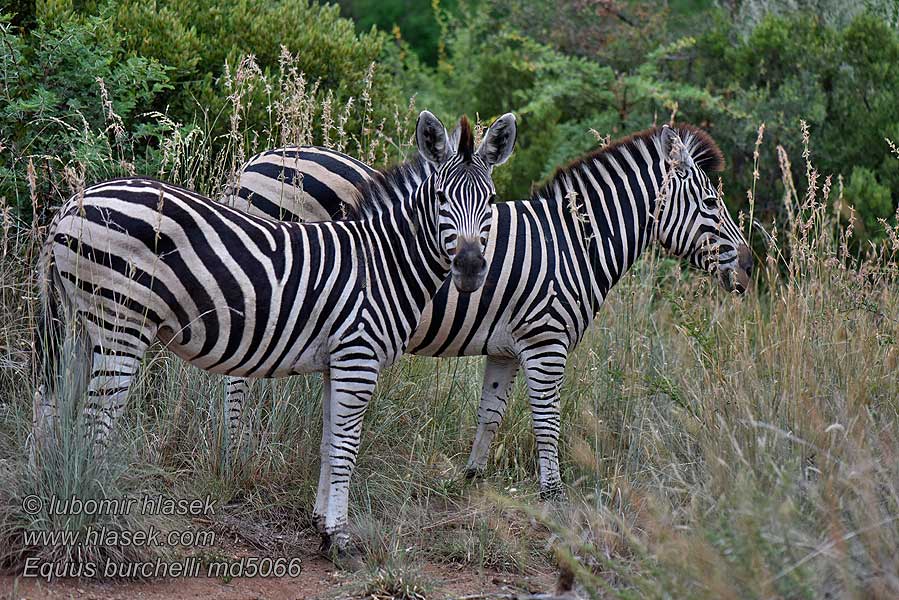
466, 139
702, 148
385, 188
388, 186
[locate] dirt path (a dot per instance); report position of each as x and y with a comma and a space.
318, 579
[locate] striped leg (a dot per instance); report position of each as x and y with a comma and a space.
352, 387
111, 375
544, 368
237, 389
499, 376
324, 475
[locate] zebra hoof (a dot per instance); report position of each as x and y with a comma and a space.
553, 493
319, 522
336, 548
473, 473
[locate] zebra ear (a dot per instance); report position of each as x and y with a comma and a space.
499, 141
675, 149
432, 139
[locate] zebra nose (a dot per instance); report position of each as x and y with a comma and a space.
469, 266
744, 258
743, 272
468, 259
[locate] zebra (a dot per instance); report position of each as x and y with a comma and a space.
133, 260
553, 260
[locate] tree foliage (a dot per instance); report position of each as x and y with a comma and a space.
62, 85
842, 82
574, 72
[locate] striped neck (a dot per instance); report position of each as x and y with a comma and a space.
405, 239
610, 196
391, 186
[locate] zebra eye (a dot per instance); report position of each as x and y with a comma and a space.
711, 202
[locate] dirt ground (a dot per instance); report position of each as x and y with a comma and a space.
319, 579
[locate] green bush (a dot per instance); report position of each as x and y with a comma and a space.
842, 82
871, 201
198, 38
70, 95
562, 101
415, 20
95, 84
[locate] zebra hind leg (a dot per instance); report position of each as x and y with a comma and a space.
499, 377
238, 436
44, 423
111, 376
63, 357
545, 370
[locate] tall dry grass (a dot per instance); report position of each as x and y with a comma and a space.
744, 447
715, 446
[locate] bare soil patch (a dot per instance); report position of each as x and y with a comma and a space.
319, 579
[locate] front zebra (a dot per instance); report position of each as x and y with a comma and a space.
135, 260
553, 260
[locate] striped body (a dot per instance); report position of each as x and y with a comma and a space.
552, 261
215, 284
308, 183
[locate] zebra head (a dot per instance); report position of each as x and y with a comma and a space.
464, 190
692, 221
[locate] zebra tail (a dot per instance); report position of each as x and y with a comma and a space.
61, 359
49, 326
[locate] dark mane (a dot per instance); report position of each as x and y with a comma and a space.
705, 152
700, 145
466, 139
376, 193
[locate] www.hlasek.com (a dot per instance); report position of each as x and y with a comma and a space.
113, 536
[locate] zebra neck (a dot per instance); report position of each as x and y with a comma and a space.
413, 173
392, 186
612, 199
405, 250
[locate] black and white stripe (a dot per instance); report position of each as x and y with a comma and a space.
554, 258
134, 260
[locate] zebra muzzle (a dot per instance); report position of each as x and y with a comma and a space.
469, 267
739, 278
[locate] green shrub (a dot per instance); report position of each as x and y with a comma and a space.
842, 81
69, 94
871, 200
415, 20
205, 39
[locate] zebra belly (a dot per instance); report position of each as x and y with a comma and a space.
312, 359
306, 346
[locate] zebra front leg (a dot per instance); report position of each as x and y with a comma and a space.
324, 475
544, 368
499, 376
351, 390
111, 376
238, 430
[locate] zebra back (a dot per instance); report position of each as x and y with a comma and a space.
311, 183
